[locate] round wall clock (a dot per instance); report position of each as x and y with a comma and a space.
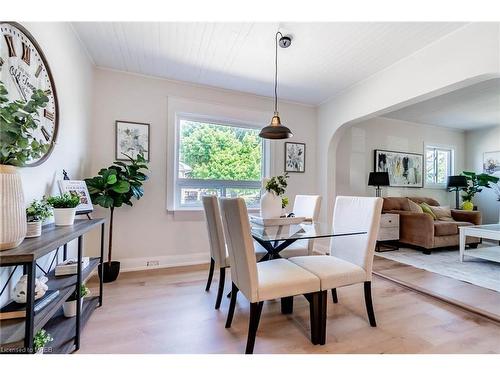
24, 69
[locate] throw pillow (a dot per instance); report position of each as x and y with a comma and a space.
427, 210
414, 207
442, 212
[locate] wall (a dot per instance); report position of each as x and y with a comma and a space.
476, 143
354, 156
147, 231
72, 71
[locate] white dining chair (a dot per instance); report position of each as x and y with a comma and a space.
218, 252
351, 258
307, 206
259, 282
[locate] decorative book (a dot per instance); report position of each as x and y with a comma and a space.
15, 310
69, 266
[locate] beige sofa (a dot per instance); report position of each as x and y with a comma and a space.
422, 231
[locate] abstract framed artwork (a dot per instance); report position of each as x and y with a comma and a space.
491, 162
295, 157
405, 168
131, 138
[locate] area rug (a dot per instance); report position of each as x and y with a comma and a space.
445, 262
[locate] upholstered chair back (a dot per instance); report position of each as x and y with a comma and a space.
307, 206
240, 246
356, 214
215, 230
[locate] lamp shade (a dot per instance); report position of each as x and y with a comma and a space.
275, 130
457, 181
378, 179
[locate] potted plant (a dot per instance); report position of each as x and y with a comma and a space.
475, 183
41, 339
36, 213
271, 202
284, 202
17, 146
64, 208
69, 306
111, 188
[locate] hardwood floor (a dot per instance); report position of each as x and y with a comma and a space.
168, 311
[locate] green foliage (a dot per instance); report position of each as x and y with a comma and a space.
63, 201
284, 202
41, 339
221, 152
38, 210
119, 183
475, 184
277, 184
18, 119
84, 291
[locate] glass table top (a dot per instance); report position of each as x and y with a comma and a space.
302, 231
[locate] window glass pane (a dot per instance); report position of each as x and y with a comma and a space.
251, 196
219, 152
192, 196
430, 173
443, 166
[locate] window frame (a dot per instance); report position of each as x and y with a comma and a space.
451, 170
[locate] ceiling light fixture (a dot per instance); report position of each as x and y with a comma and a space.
276, 130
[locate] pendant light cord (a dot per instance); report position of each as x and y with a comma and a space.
276, 72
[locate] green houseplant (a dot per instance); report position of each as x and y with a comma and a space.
69, 306
41, 339
112, 188
271, 202
17, 146
475, 184
36, 213
64, 208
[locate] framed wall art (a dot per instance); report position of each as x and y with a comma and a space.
295, 157
132, 138
491, 162
405, 168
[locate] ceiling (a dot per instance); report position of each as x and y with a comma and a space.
473, 107
324, 58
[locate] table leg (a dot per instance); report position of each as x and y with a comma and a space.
78, 293
101, 275
462, 244
30, 306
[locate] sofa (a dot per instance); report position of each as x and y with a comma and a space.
421, 230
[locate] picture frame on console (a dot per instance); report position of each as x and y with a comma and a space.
405, 168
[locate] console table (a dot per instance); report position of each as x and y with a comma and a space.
16, 335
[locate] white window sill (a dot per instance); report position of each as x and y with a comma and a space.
435, 186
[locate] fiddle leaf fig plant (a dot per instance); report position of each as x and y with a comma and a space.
118, 185
475, 183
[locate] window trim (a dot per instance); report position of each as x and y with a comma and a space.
442, 147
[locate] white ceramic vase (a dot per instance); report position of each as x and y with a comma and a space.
270, 205
34, 229
12, 209
64, 216
69, 308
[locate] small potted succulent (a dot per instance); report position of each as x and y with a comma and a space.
36, 213
41, 339
64, 208
271, 203
69, 307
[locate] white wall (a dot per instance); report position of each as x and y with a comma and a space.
476, 143
72, 71
355, 154
147, 231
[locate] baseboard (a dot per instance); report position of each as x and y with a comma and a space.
166, 261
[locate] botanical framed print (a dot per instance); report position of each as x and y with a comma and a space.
405, 168
132, 138
491, 162
295, 157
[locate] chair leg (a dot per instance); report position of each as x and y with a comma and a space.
334, 296
222, 278
210, 274
232, 305
369, 304
255, 311
323, 299
287, 305
314, 308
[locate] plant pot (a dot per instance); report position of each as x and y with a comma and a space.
467, 206
270, 205
64, 216
34, 229
110, 272
12, 208
69, 308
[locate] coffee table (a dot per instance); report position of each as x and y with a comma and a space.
488, 231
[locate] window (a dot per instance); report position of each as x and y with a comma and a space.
213, 157
438, 165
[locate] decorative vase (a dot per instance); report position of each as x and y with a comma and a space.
69, 308
467, 206
270, 205
34, 229
64, 216
110, 272
12, 209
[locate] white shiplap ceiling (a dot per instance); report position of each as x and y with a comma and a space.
473, 107
324, 58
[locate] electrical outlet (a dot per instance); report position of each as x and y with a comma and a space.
152, 263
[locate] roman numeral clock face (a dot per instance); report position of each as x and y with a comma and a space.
24, 69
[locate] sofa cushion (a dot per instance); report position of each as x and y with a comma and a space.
429, 201
428, 210
441, 212
445, 228
395, 204
415, 207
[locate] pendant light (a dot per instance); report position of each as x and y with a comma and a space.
276, 130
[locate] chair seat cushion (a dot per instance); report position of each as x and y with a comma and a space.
296, 249
281, 278
333, 272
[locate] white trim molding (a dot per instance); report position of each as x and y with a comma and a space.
165, 261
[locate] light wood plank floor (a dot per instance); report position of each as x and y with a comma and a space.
168, 311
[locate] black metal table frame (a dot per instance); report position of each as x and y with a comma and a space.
29, 269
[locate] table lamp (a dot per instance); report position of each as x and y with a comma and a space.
378, 179
456, 183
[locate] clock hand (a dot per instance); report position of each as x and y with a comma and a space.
16, 81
